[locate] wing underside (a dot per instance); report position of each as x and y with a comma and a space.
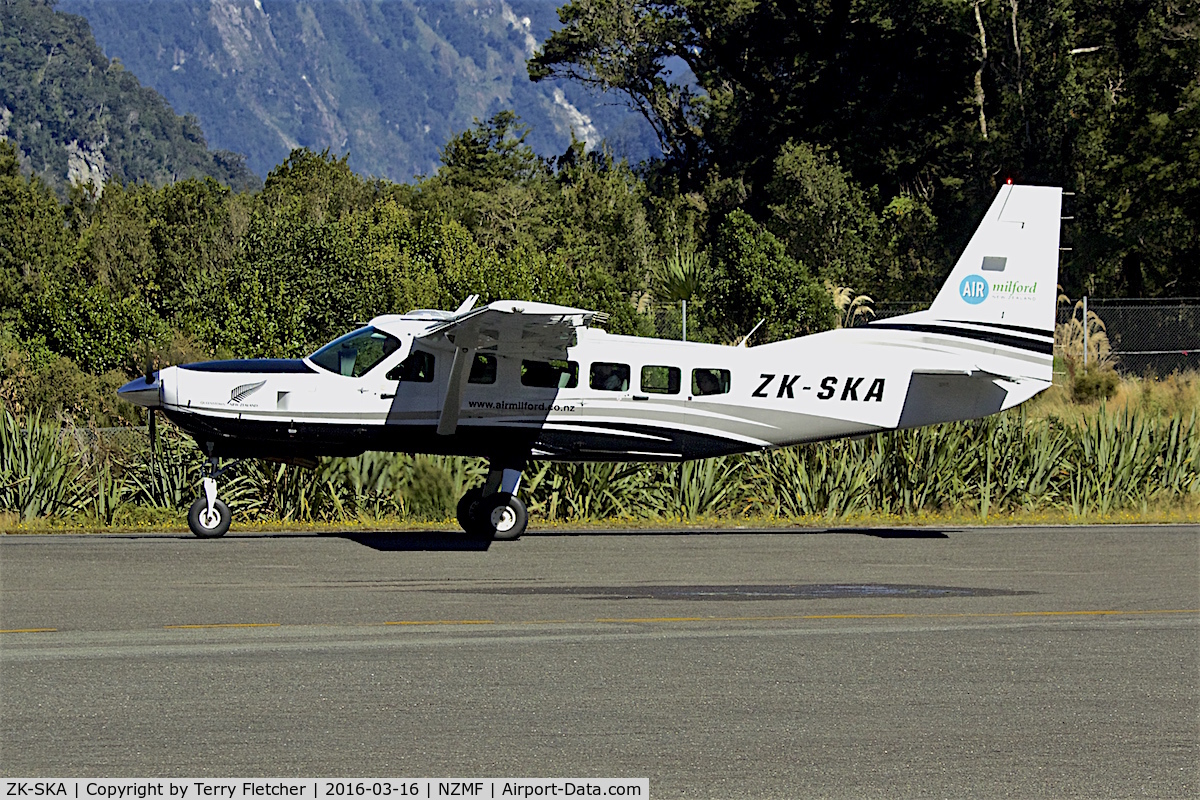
509, 328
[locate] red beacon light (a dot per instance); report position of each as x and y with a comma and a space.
1008, 181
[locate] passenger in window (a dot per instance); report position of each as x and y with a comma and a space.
710, 381
610, 377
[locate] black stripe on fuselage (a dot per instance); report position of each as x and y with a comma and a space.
263, 365
243, 438
1005, 339
1017, 328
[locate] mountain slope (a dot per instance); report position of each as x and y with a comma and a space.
389, 81
76, 116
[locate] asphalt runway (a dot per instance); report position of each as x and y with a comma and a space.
1034, 662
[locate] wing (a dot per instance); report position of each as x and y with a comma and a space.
507, 328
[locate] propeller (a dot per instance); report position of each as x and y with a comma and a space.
152, 419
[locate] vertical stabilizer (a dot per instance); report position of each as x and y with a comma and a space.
997, 307
1008, 275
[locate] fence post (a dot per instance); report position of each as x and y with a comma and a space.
684, 319
1085, 332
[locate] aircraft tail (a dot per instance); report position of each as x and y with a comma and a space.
1003, 290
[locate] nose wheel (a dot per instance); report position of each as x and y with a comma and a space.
208, 518
494, 511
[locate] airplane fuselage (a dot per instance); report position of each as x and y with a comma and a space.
672, 400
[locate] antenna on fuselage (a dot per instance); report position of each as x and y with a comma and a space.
746, 338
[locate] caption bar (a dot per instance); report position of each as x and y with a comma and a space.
322, 788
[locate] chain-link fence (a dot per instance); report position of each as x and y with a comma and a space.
1143, 336
1136, 337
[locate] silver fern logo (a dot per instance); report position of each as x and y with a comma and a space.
240, 393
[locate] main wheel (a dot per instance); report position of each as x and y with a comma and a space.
208, 525
466, 509
501, 516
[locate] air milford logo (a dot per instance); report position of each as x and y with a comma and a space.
240, 393
1015, 290
973, 289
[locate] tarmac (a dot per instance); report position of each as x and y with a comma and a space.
991, 662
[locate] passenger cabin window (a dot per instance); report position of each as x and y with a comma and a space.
661, 380
550, 374
417, 368
354, 354
710, 381
610, 377
483, 369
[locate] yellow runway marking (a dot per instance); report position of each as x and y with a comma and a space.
32, 630
225, 625
444, 622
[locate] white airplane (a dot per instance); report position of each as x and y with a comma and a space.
514, 381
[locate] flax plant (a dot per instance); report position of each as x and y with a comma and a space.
40, 467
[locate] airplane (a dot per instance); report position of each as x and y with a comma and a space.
514, 381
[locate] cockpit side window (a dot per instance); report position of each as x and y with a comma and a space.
417, 368
354, 354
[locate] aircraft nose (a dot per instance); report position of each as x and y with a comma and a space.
143, 392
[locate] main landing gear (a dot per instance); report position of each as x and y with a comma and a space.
208, 517
493, 511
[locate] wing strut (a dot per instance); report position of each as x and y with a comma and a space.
464, 356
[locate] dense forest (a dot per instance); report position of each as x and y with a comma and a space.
805, 149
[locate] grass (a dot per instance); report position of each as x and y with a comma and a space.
1160, 398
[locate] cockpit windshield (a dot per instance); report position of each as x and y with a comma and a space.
354, 354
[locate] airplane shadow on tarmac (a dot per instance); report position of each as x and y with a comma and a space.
891, 533
443, 541
439, 541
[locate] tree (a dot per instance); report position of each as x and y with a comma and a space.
823, 217
35, 245
493, 183
754, 279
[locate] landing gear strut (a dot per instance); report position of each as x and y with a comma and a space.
208, 517
493, 511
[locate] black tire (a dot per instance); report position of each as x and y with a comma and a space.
208, 527
501, 516
466, 509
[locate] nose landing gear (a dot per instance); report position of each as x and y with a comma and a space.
493, 511
208, 517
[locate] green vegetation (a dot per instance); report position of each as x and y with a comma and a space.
1111, 461
95, 286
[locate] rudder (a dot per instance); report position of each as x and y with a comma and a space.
1008, 274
